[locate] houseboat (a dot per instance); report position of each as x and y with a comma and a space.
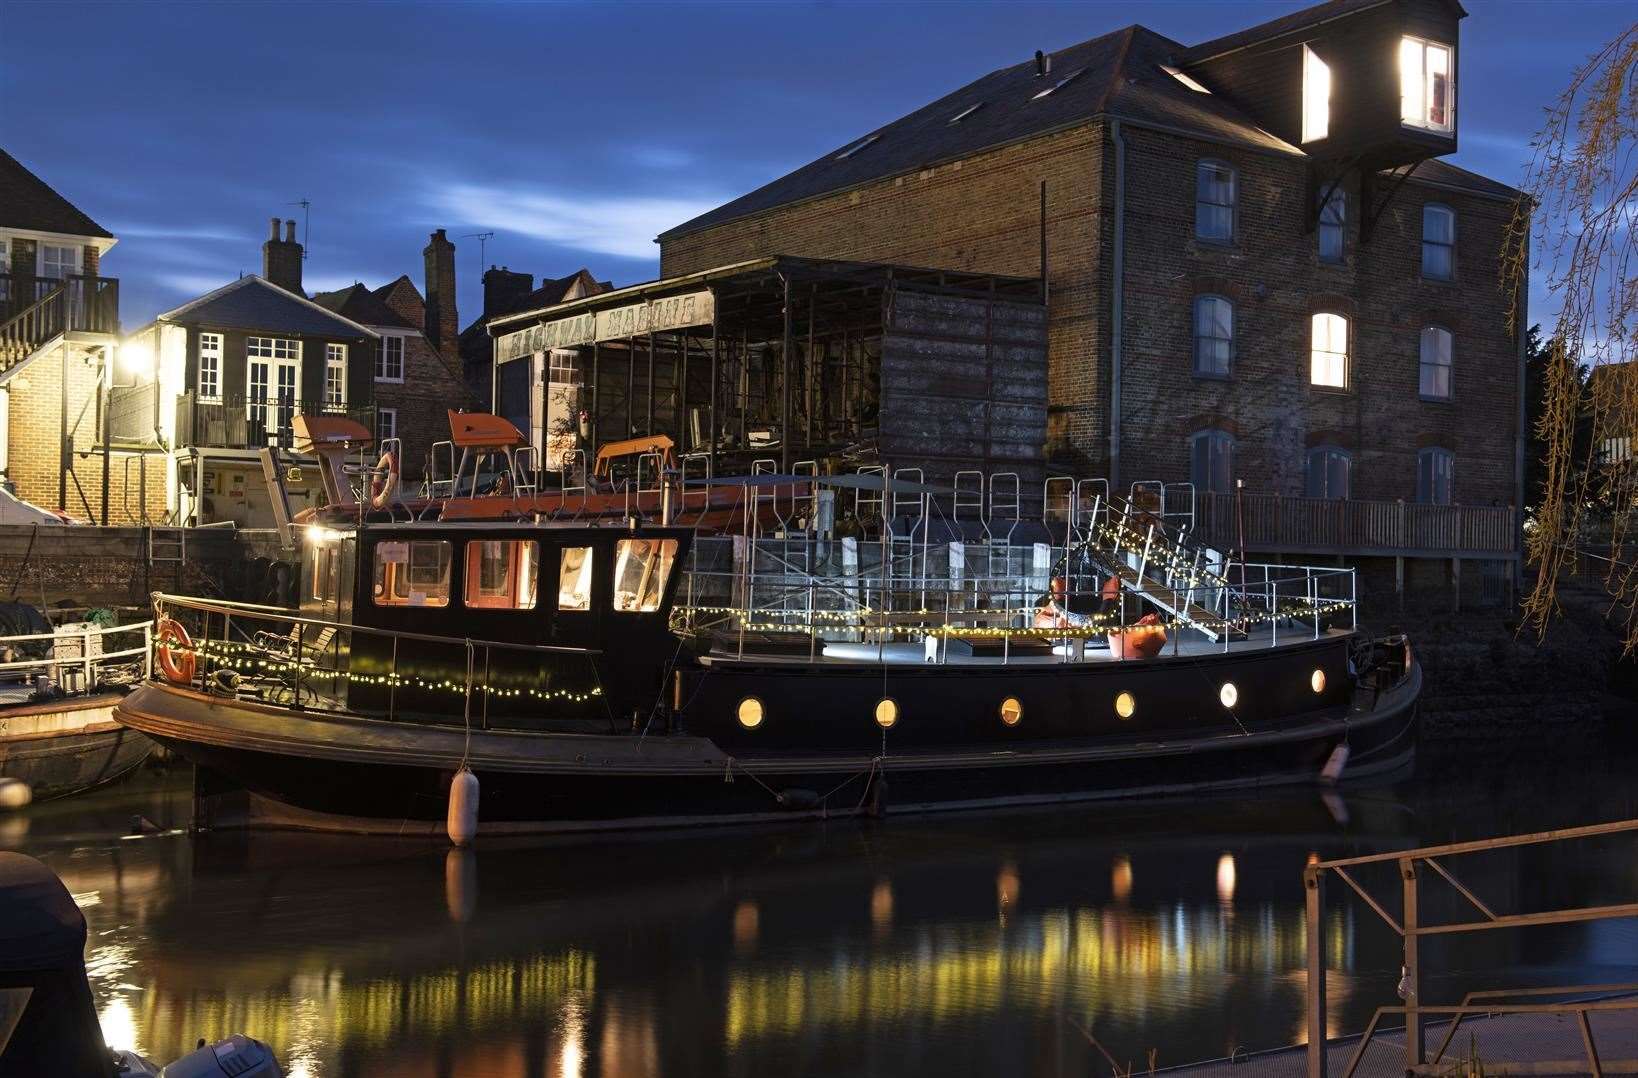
863, 643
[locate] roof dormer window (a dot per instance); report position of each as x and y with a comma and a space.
1316, 96
1427, 85
1184, 79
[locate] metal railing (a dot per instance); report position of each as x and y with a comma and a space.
273, 655
250, 422
1354, 526
94, 664
33, 310
1412, 929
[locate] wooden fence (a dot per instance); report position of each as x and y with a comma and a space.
1273, 522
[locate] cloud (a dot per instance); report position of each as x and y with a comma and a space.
172, 232
620, 226
661, 157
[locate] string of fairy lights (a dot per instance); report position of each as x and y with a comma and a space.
227, 655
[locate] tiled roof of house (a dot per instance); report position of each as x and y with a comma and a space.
1305, 19
362, 306
1436, 172
1117, 74
26, 201
254, 304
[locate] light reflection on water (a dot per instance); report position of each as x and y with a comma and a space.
968, 944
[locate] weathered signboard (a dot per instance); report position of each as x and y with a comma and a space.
650, 316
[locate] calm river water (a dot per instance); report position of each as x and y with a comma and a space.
960, 944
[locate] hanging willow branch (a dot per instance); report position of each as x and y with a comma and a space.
1579, 217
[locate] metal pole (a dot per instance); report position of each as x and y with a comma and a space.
1413, 972
107, 423
807, 364
595, 402
649, 428
631, 387
785, 383
716, 354
1313, 881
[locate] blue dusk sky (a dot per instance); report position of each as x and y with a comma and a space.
574, 131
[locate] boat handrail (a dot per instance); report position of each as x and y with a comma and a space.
85, 661
230, 607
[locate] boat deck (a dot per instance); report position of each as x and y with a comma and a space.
1089, 650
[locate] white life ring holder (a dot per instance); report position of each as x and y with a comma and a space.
384, 487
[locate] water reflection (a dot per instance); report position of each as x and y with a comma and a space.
958, 944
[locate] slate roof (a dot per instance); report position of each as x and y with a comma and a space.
1437, 172
1117, 74
1273, 28
362, 306
26, 201
252, 303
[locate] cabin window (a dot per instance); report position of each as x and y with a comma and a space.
1333, 215
1329, 351
412, 573
500, 574
210, 366
1435, 475
1328, 469
1214, 202
1316, 96
1427, 85
1438, 242
574, 578
641, 568
1211, 461
1436, 363
1213, 336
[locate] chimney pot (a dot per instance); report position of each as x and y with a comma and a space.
290, 231
1040, 63
274, 233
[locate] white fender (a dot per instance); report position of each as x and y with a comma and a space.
463, 807
1334, 766
14, 793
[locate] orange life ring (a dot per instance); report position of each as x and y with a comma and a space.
178, 665
384, 486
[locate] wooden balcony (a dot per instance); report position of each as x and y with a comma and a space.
37, 310
1276, 523
250, 422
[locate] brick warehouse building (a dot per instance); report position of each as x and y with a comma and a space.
1306, 295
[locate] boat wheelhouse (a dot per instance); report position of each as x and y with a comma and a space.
857, 633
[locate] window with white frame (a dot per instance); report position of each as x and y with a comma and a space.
1333, 216
57, 262
389, 361
1435, 475
1214, 195
1438, 242
210, 366
1328, 353
386, 424
1213, 336
1328, 472
281, 349
1427, 85
335, 375
1436, 363
1211, 461
1316, 96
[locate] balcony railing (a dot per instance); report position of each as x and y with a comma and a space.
251, 422
91, 304
1348, 526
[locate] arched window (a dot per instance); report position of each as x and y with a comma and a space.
1436, 353
1438, 242
1214, 194
1328, 355
1329, 471
1211, 461
1213, 336
1333, 215
1435, 475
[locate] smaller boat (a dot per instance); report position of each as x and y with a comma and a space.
48, 1019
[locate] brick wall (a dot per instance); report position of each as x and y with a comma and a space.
429, 390
78, 566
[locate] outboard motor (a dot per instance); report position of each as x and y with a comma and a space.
234, 1057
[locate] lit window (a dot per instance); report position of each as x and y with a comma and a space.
389, 361
1435, 381
966, 112
1435, 474
574, 578
412, 573
1211, 461
1333, 213
1438, 242
326, 566
1427, 86
1214, 202
500, 574
386, 424
1316, 96
57, 263
856, 147
335, 375
1060, 84
210, 366
1329, 354
1213, 336
1328, 469
641, 568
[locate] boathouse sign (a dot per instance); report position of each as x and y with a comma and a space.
650, 316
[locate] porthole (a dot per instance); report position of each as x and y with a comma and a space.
1317, 681
1125, 705
1011, 710
750, 713
1229, 695
887, 712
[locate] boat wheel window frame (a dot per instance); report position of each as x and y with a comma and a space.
1213, 336
576, 574
412, 572
1216, 201
1329, 467
642, 570
502, 574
